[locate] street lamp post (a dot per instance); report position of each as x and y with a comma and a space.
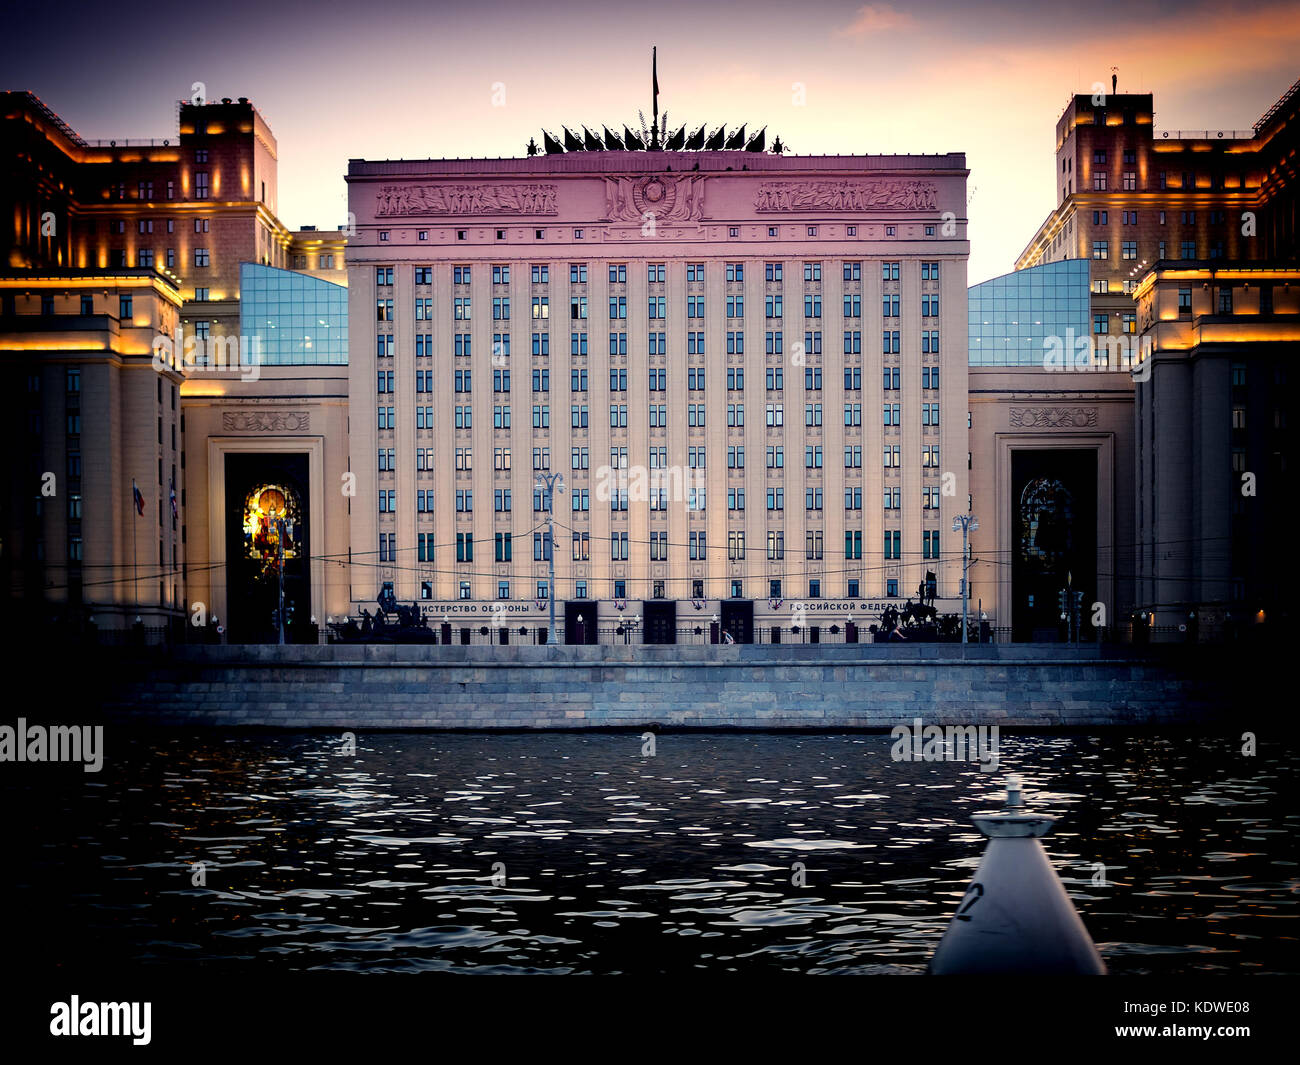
965, 524
550, 483
279, 551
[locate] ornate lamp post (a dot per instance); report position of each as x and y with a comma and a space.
965, 524
279, 557
550, 483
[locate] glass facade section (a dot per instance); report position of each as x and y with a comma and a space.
297, 320
1012, 316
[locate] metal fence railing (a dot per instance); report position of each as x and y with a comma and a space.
703, 631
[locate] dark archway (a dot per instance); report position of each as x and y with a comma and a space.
1054, 538
261, 488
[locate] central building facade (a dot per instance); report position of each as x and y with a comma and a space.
749, 370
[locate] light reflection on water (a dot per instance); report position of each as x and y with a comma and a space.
616, 863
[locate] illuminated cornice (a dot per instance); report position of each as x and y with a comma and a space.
165, 286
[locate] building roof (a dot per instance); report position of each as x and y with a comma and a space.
639, 162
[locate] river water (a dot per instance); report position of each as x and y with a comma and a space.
578, 853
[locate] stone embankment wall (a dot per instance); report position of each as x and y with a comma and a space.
715, 687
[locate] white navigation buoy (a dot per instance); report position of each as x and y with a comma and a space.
1016, 917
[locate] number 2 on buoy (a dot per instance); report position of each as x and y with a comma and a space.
973, 894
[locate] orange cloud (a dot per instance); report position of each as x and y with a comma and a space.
875, 18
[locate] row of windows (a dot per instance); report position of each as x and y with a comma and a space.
619, 586
145, 226
1187, 249
1101, 324
657, 306
658, 377
657, 343
145, 189
146, 257
580, 459
1130, 218
125, 310
657, 499
655, 272
619, 543
580, 415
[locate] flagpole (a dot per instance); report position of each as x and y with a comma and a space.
654, 79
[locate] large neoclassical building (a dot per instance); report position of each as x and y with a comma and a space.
748, 369
759, 379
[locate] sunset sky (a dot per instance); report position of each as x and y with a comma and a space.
395, 79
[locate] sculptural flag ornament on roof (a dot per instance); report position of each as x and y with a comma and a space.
654, 79
654, 135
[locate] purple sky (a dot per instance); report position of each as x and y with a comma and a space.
391, 80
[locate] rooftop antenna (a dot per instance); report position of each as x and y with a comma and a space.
654, 80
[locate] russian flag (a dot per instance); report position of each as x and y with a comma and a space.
138, 498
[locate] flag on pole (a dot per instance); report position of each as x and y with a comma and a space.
654, 77
171, 489
137, 497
